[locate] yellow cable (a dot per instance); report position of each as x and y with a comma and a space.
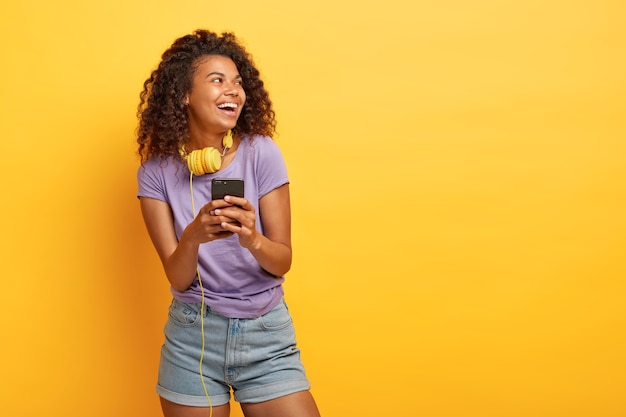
202, 306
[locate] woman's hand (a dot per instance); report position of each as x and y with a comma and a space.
207, 225
238, 216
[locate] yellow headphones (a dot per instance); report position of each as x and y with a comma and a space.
207, 160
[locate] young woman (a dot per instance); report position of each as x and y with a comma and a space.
204, 114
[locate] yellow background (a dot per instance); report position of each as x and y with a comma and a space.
458, 178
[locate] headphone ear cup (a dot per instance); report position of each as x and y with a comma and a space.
204, 161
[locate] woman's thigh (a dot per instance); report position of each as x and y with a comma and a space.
299, 404
171, 409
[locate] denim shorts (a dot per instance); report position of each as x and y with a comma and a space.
257, 358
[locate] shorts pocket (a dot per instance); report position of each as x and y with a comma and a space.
183, 314
277, 318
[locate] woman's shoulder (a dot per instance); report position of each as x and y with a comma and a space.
267, 161
261, 145
158, 166
261, 140
158, 162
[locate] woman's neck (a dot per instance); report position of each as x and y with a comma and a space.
204, 140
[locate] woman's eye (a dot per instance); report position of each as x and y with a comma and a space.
217, 80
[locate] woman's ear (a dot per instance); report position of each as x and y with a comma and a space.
186, 101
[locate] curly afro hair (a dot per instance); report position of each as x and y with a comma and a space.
162, 114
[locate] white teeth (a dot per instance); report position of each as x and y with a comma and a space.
227, 105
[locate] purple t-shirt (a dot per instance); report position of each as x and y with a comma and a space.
234, 283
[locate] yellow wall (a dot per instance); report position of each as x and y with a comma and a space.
458, 175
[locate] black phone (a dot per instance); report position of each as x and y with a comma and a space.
221, 187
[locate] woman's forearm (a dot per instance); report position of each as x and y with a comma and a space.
180, 268
274, 257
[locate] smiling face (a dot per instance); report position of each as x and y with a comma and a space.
215, 100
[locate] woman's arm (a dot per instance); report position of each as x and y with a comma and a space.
272, 249
179, 261
179, 258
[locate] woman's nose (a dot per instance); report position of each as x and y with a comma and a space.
232, 90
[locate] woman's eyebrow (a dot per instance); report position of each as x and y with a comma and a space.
221, 74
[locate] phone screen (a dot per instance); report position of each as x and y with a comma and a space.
221, 187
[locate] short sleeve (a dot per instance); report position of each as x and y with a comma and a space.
150, 180
271, 168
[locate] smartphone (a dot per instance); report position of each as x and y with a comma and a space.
221, 187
